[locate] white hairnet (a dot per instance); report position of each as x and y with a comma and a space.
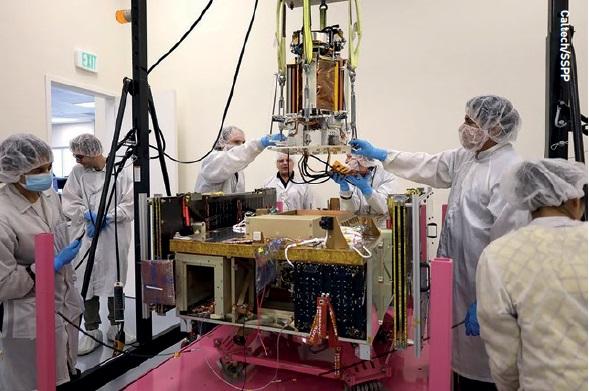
21, 153
489, 112
547, 182
226, 135
86, 144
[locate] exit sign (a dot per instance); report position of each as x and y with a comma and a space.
86, 60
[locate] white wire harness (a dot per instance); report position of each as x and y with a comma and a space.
355, 241
309, 242
352, 236
240, 227
274, 379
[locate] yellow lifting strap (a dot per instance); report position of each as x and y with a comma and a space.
355, 35
307, 36
280, 39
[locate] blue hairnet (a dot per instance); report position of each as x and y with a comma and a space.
226, 135
86, 144
21, 153
496, 115
548, 182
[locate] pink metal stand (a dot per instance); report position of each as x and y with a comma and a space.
45, 311
441, 325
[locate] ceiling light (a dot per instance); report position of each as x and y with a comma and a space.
88, 105
64, 120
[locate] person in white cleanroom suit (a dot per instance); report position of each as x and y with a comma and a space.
222, 170
81, 198
30, 207
532, 283
367, 192
477, 213
289, 187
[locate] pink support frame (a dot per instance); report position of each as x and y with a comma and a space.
45, 311
440, 354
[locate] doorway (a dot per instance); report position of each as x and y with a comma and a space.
73, 111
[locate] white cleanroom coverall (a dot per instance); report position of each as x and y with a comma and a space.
222, 170
293, 195
82, 193
532, 306
20, 222
476, 215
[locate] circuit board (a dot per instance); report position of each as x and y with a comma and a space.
346, 286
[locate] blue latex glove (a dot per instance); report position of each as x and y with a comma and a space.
271, 139
66, 255
362, 183
471, 323
90, 229
341, 181
91, 218
364, 148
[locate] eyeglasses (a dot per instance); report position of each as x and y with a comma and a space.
79, 157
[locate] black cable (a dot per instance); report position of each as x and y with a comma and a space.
229, 98
83, 259
151, 68
115, 349
108, 171
274, 104
130, 134
157, 149
119, 167
93, 222
158, 153
321, 160
304, 169
110, 198
160, 141
117, 231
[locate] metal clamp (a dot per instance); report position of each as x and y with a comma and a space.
435, 225
426, 266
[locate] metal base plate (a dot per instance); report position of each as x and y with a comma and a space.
313, 149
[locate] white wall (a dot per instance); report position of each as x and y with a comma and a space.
420, 61
39, 38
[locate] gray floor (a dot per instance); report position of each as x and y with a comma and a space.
159, 324
134, 374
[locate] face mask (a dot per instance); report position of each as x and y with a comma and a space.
38, 182
472, 138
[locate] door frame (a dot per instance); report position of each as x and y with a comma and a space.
109, 97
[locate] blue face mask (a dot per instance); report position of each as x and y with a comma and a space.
38, 182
